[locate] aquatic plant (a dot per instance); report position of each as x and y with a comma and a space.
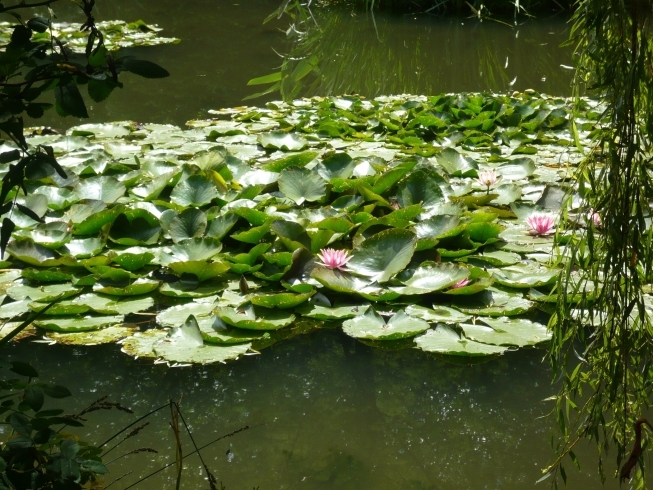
488, 178
541, 224
334, 259
224, 222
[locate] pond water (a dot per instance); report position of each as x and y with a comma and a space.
225, 44
326, 411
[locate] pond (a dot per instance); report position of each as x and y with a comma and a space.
224, 45
326, 411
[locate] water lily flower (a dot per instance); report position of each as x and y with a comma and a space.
541, 224
334, 259
595, 218
488, 178
461, 284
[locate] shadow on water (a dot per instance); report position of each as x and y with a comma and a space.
327, 412
225, 44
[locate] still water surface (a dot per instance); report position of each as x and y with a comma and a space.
225, 44
326, 412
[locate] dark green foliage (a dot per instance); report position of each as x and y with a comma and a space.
28, 68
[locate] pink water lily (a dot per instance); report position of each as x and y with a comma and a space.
540, 224
487, 177
334, 259
594, 217
462, 283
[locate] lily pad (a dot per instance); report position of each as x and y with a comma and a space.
279, 300
445, 340
190, 223
508, 331
383, 255
106, 335
456, 164
135, 227
372, 326
300, 185
102, 188
196, 191
336, 312
77, 324
254, 317
494, 303
431, 277
185, 344
439, 313
277, 140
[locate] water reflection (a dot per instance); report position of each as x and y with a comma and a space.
327, 412
225, 44
336, 52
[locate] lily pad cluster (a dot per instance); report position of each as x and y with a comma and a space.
217, 236
117, 34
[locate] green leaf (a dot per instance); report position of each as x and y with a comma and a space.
383, 255
271, 78
372, 326
69, 101
193, 249
439, 313
135, 227
196, 191
336, 166
201, 269
277, 140
457, 165
254, 317
189, 223
419, 188
339, 311
430, 277
297, 160
526, 276
507, 331
493, 303
300, 185
444, 340
106, 189
76, 324
279, 300
517, 169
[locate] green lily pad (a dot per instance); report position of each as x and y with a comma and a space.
77, 324
215, 331
254, 317
496, 258
102, 188
32, 253
336, 166
43, 294
343, 282
439, 313
181, 289
383, 255
201, 269
136, 288
339, 311
178, 314
133, 261
84, 248
106, 335
508, 331
184, 344
135, 227
279, 300
14, 309
457, 165
196, 191
190, 223
506, 194
430, 277
277, 140
193, 249
493, 303
526, 276
372, 326
445, 340
517, 169
141, 344
420, 188
297, 160
300, 185
94, 223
